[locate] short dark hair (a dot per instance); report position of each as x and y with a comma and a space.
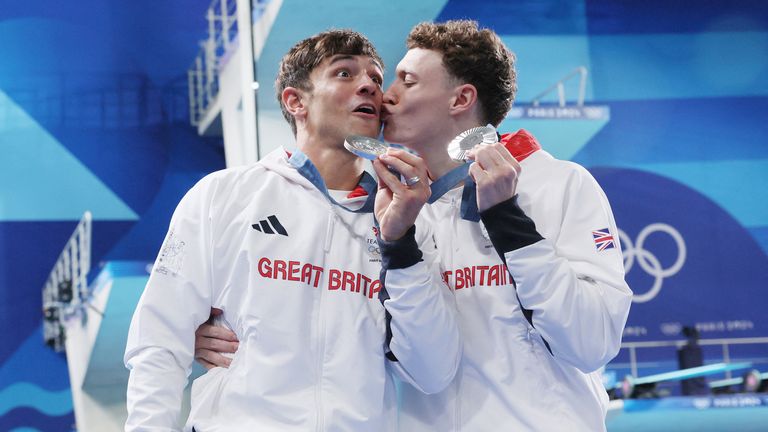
475, 56
305, 56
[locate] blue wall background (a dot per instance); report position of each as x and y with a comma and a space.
683, 157
93, 115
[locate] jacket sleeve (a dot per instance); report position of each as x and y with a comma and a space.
571, 292
176, 300
423, 343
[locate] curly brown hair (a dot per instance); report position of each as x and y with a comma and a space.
305, 56
475, 56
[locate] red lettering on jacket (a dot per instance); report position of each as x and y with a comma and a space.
375, 288
309, 274
279, 266
364, 287
293, 268
493, 277
334, 280
482, 270
349, 281
312, 269
447, 277
293, 271
481, 275
265, 268
459, 279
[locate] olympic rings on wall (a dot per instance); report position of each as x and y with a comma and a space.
648, 261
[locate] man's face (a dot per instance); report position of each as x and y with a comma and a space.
416, 105
345, 99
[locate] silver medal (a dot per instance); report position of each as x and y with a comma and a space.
365, 147
465, 141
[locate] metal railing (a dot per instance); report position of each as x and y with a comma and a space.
203, 76
724, 343
581, 72
215, 50
66, 289
98, 100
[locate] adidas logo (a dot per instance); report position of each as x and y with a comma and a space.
270, 225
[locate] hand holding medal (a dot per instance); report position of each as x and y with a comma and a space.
467, 140
398, 202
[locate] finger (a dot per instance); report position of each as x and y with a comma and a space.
213, 358
379, 180
207, 365
504, 152
219, 345
399, 165
507, 157
472, 153
488, 157
216, 332
410, 166
407, 157
477, 172
216, 344
386, 177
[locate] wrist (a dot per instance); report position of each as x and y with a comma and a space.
402, 252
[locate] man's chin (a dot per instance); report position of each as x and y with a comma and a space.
390, 135
370, 131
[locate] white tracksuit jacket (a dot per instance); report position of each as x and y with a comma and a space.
508, 379
302, 294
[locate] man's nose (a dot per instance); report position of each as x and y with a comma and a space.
368, 86
389, 97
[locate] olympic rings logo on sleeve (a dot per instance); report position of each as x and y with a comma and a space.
648, 261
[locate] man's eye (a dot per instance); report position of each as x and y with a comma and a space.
343, 74
378, 80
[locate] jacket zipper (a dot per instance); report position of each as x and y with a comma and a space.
454, 226
321, 328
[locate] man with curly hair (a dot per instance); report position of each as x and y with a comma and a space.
541, 305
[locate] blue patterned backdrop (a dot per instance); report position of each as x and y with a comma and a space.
93, 116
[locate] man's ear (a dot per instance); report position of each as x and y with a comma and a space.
294, 102
464, 99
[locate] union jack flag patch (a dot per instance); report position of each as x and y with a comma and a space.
603, 239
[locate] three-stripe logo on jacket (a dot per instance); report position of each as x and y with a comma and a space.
270, 225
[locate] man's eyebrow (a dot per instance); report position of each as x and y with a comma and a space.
341, 57
375, 63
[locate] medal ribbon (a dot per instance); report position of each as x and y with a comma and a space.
468, 201
307, 169
520, 144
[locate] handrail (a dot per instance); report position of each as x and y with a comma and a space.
559, 85
724, 342
111, 101
203, 74
681, 342
67, 284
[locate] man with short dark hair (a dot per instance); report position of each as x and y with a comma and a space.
283, 248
